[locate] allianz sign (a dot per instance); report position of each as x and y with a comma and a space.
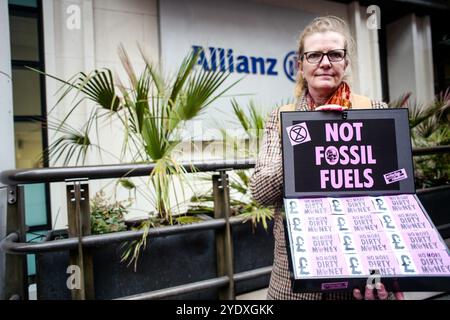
220, 59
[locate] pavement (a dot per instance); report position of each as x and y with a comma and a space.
261, 295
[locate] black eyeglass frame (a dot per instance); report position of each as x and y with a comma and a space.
303, 56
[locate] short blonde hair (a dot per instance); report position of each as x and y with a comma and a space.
324, 24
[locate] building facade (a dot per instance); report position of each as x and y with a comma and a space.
402, 46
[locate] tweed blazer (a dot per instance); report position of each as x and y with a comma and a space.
266, 186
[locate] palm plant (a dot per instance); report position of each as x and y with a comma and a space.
150, 109
430, 126
251, 120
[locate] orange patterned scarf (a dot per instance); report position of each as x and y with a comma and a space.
340, 97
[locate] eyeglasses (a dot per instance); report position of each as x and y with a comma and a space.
317, 56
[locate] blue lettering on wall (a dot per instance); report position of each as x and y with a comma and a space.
290, 65
271, 66
220, 59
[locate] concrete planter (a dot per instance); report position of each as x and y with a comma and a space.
166, 262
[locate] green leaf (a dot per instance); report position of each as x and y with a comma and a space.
127, 184
188, 219
258, 215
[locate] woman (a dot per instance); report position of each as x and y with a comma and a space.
325, 47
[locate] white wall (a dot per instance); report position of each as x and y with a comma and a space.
319, 7
365, 71
7, 159
71, 47
424, 59
82, 35
263, 29
366, 67
254, 27
257, 27
129, 23
410, 63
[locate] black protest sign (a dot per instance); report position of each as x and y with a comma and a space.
368, 152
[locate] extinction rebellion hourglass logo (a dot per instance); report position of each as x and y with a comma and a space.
298, 133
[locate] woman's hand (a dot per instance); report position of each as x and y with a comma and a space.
331, 107
380, 293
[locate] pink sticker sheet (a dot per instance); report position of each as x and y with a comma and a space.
365, 223
323, 243
354, 205
432, 262
362, 236
328, 265
385, 263
422, 240
318, 206
357, 205
408, 221
318, 224
402, 203
367, 242
315, 207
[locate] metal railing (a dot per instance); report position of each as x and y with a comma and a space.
13, 247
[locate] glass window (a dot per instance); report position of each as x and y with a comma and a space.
28, 138
25, 17
24, 38
26, 92
36, 203
35, 236
24, 3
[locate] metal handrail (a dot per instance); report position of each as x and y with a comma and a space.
430, 150
11, 245
199, 285
432, 189
58, 174
185, 288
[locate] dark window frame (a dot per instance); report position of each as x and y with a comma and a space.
37, 13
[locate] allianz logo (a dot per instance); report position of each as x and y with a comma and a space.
220, 59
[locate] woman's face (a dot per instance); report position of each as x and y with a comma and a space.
326, 76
